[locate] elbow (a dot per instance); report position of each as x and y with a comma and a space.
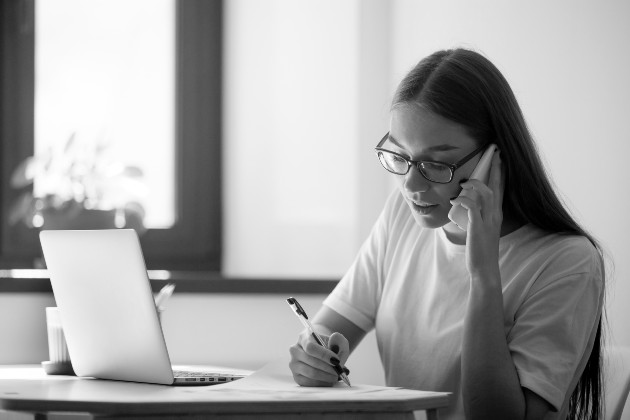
491, 405
486, 411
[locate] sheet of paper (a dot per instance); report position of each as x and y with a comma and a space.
274, 381
276, 376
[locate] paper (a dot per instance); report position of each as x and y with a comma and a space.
275, 380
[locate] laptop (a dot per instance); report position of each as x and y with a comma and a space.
100, 283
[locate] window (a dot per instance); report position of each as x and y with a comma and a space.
191, 238
108, 96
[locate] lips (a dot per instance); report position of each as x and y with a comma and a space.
422, 204
422, 207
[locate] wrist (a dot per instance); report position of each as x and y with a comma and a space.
486, 277
322, 329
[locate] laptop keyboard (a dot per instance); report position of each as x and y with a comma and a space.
191, 376
187, 373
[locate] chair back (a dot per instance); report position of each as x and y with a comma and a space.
617, 382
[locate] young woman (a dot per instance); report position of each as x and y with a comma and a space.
505, 315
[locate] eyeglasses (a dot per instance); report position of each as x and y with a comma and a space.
438, 172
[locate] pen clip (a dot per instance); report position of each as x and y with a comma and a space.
298, 308
301, 314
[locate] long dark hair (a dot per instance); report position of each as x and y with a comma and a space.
465, 87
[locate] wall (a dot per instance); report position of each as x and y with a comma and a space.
23, 327
306, 100
244, 331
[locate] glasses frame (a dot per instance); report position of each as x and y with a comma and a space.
452, 166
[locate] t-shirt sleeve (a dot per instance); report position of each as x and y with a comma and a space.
554, 328
357, 295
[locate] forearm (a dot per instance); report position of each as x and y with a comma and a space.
490, 383
322, 329
328, 321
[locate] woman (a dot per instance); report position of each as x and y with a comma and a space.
505, 315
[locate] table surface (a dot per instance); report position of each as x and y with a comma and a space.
28, 388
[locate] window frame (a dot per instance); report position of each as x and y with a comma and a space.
194, 242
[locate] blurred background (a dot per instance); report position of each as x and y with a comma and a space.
242, 132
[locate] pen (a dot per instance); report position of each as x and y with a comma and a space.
164, 294
301, 314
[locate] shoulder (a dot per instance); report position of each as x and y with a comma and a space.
555, 258
575, 252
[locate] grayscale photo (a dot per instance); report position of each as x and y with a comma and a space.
314, 209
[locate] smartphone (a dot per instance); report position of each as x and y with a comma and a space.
458, 214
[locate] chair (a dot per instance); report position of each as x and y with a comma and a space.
617, 382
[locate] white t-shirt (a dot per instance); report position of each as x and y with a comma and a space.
411, 284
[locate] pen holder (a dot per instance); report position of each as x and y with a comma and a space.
59, 363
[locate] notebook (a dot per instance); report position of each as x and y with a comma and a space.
100, 283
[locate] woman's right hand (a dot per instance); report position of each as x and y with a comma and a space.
312, 364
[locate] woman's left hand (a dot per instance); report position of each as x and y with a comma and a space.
485, 216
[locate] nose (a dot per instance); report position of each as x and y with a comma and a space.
415, 182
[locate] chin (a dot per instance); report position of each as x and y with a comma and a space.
431, 221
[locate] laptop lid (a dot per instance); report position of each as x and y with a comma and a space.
106, 305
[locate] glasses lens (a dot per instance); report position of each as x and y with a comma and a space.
393, 163
436, 172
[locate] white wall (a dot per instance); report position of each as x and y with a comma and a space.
305, 102
568, 63
23, 327
244, 331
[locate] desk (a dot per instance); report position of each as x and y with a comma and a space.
26, 392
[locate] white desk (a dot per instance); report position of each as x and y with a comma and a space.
26, 392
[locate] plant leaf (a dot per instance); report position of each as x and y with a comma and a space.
21, 209
23, 174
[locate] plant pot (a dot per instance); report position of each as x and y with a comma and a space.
81, 219
76, 217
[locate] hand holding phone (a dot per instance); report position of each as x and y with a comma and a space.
458, 214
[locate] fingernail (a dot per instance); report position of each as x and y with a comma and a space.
335, 361
334, 348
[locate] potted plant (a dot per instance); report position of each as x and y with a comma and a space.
78, 185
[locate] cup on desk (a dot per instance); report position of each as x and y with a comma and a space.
160, 311
59, 363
